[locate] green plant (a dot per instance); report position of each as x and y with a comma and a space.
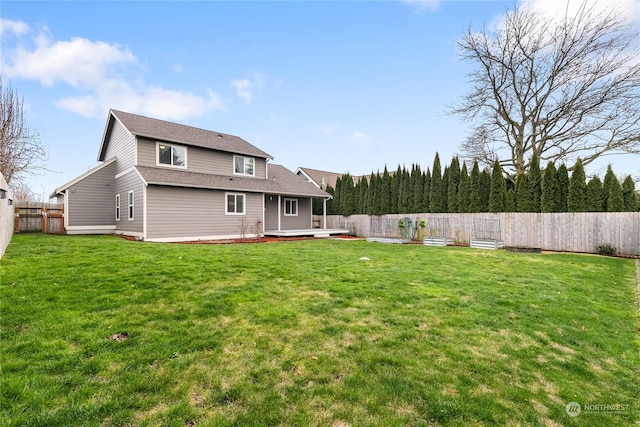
422, 223
606, 249
401, 223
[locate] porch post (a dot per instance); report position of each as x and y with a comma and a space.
324, 212
279, 212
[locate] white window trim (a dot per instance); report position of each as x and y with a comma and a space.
292, 201
131, 204
226, 204
158, 144
242, 173
117, 207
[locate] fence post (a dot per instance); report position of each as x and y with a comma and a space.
16, 227
45, 222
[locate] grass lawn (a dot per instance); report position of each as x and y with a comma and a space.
307, 333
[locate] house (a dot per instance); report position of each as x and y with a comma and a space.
164, 182
321, 179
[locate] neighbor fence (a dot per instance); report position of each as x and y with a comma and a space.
6, 215
39, 217
571, 232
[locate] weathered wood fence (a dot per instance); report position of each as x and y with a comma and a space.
39, 217
571, 232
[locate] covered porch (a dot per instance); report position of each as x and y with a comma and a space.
304, 232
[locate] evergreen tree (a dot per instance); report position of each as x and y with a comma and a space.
417, 187
629, 195
615, 202
436, 202
445, 188
609, 177
577, 189
594, 197
464, 190
562, 175
363, 195
426, 196
375, 188
485, 180
524, 201
331, 209
396, 179
498, 190
453, 186
385, 194
337, 197
535, 183
510, 203
347, 198
405, 198
549, 201
475, 204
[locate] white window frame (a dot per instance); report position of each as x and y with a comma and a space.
288, 205
158, 144
117, 207
244, 163
131, 201
235, 195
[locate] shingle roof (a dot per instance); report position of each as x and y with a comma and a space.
324, 178
281, 181
174, 132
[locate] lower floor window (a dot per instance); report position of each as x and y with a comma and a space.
235, 204
291, 207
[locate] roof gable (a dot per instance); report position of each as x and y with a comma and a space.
173, 132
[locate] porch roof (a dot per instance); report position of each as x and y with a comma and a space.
280, 181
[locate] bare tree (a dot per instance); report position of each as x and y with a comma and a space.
20, 146
561, 89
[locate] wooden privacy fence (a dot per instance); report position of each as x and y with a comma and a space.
571, 232
39, 217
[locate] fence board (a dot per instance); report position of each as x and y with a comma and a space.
570, 232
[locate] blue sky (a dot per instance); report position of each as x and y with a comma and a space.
340, 86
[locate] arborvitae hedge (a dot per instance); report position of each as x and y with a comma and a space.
481, 190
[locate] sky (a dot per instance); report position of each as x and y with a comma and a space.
336, 85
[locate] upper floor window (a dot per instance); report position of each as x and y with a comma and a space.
291, 207
243, 165
172, 155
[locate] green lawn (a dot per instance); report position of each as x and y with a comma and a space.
307, 333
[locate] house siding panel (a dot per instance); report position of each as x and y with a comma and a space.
302, 220
129, 182
182, 213
199, 160
91, 200
122, 146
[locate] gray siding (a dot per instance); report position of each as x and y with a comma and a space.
198, 160
91, 200
183, 213
124, 184
302, 220
122, 146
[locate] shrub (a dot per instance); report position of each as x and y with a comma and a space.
606, 249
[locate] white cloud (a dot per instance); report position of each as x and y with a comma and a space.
554, 9
246, 88
423, 5
328, 129
243, 89
106, 75
8, 26
360, 138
